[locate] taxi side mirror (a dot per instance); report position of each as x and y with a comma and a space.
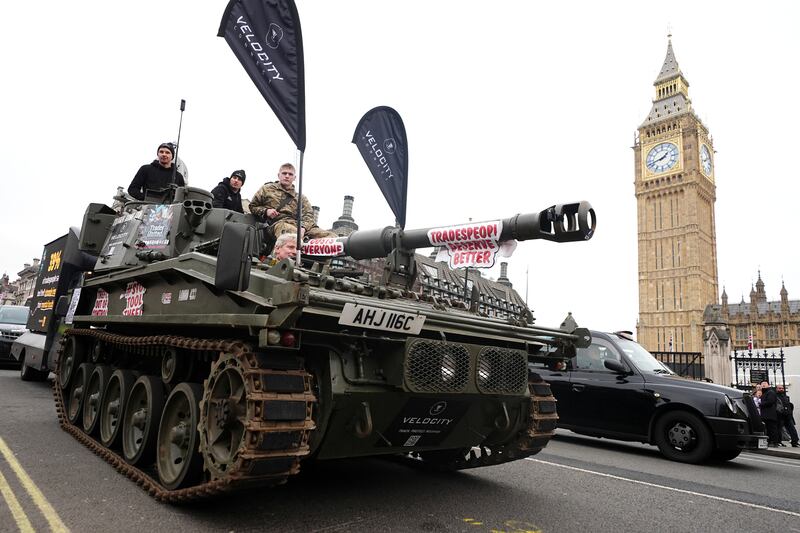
615, 366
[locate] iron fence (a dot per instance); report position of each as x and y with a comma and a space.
751, 368
686, 364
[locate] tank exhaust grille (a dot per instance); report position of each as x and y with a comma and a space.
502, 371
437, 367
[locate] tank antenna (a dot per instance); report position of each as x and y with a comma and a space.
178, 142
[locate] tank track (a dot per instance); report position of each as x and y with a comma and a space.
542, 421
259, 463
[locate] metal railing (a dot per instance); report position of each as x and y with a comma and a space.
686, 364
751, 368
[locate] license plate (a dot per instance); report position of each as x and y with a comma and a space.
762, 443
365, 316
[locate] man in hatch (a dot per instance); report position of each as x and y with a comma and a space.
285, 248
156, 176
227, 194
276, 203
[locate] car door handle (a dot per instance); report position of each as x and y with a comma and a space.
578, 387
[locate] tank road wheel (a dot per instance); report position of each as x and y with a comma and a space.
175, 366
179, 461
95, 388
140, 423
71, 358
225, 416
683, 437
112, 407
96, 353
77, 392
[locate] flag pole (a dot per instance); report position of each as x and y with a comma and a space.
299, 206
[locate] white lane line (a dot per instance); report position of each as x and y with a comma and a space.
56, 525
655, 485
17, 512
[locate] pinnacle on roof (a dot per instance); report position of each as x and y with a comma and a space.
670, 68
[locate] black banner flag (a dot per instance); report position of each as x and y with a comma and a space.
381, 138
265, 36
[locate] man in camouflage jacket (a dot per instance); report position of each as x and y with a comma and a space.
276, 202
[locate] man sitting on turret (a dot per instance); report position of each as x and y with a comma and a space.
227, 193
157, 175
276, 202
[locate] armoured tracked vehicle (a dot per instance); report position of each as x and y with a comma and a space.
196, 369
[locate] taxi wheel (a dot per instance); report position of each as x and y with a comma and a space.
683, 437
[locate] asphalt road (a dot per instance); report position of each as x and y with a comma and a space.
49, 481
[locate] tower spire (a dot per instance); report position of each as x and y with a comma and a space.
670, 68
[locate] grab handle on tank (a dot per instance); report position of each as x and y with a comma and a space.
505, 423
364, 422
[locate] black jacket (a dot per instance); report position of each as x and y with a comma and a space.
152, 176
225, 197
788, 406
769, 399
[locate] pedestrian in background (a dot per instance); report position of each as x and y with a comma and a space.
769, 413
757, 395
786, 419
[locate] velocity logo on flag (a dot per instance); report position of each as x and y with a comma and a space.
265, 36
380, 137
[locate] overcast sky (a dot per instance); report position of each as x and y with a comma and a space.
509, 106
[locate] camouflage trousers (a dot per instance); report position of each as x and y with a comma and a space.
288, 226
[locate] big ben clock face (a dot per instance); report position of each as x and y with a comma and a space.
662, 157
705, 160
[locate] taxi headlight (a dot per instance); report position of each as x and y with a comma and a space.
729, 403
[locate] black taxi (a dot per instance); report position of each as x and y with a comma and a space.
616, 389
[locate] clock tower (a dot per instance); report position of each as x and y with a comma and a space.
675, 195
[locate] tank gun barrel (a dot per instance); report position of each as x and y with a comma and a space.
559, 223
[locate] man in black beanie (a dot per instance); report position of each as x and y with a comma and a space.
227, 193
157, 175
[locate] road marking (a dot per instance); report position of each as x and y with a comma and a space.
655, 485
56, 525
17, 512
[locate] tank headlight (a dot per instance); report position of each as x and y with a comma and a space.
273, 337
483, 374
449, 368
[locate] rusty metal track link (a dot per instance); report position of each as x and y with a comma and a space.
250, 475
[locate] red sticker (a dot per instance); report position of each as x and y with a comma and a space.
134, 299
100, 303
328, 247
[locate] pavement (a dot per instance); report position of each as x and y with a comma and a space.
788, 451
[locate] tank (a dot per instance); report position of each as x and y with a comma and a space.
196, 369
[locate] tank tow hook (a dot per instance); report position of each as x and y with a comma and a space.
364, 422
503, 422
